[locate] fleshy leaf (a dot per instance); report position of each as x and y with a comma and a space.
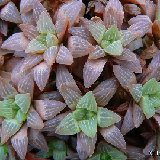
41, 75
88, 102
136, 91
51, 40
151, 87
68, 126
50, 55
9, 128
97, 30
114, 49
20, 142
85, 145
89, 127
148, 109
45, 24
3, 152
49, 108
92, 70
23, 101
97, 53
106, 117
20, 116
112, 34
35, 46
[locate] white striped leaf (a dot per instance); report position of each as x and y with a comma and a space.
10, 13
20, 142
136, 91
114, 49
9, 128
45, 24
97, 30
41, 75
35, 46
48, 109
50, 55
34, 120
68, 126
23, 101
106, 117
64, 56
87, 102
89, 127
114, 136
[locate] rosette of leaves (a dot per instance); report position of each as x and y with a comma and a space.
86, 118
56, 149
147, 96
14, 111
107, 152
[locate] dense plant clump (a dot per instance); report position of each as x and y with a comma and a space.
79, 79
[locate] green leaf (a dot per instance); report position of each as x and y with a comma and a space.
89, 127
35, 46
95, 157
45, 24
106, 117
154, 101
136, 91
105, 43
114, 49
3, 152
68, 126
146, 106
9, 128
59, 155
88, 102
51, 40
6, 109
97, 30
112, 34
42, 39
151, 87
79, 114
23, 101
20, 116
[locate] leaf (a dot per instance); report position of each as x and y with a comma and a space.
128, 123
89, 127
68, 126
45, 24
115, 48
87, 102
97, 30
79, 47
3, 152
41, 75
106, 117
20, 116
9, 128
10, 13
64, 56
34, 120
95, 157
23, 101
125, 77
92, 70
112, 34
37, 140
151, 87
48, 109
59, 155
85, 145
50, 55
51, 40
16, 42
148, 109
6, 89
35, 46
105, 91
114, 136
136, 91
20, 142
6, 109
29, 31
98, 52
